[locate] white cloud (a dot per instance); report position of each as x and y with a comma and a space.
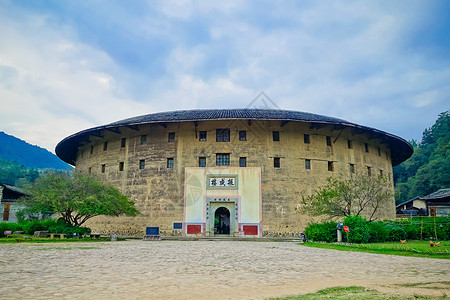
343, 59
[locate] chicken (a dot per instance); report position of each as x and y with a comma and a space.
403, 241
438, 244
432, 244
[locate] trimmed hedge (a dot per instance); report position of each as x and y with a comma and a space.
359, 229
362, 231
52, 226
325, 232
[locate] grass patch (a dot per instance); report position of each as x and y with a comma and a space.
23, 238
353, 292
411, 248
441, 285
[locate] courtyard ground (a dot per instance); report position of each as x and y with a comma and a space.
205, 270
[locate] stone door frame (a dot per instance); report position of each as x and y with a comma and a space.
232, 204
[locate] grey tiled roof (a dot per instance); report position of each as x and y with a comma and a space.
442, 193
223, 114
67, 148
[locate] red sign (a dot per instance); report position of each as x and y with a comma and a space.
250, 230
194, 229
346, 229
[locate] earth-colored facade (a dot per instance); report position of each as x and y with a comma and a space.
246, 169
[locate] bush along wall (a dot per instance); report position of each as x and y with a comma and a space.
52, 226
362, 231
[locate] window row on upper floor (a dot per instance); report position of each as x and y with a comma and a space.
223, 159
223, 135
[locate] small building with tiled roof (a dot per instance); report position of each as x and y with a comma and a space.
238, 172
434, 204
9, 195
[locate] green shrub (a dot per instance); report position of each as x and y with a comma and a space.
378, 232
359, 229
322, 232
4, 226
412, 231
53, 226
395, 232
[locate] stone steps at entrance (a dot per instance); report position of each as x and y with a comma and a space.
230, 238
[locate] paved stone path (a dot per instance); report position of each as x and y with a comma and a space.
201, 270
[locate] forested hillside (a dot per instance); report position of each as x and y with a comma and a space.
428, 169
15, 150
14, 174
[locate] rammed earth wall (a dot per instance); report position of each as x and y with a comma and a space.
158, 191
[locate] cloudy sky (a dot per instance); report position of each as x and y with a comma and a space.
69, 65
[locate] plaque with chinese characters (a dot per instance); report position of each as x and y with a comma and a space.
222, 182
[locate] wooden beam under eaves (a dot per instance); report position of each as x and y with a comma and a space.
338, 127
114, 129
284, 122
163, 124
85, 140
97, 133
133, 127
360, 130
317, 125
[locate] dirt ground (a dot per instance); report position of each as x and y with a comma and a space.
203, 270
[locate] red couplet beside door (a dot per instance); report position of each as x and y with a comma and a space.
194, 229
250, 230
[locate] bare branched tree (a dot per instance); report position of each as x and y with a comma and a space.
355, 195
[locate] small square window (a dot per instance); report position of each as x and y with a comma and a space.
242, 135
90, 170
369, 171
103, 168
276, 162
202, 162
121, 166
381, 173
223, 135
143, 139
307, 164
306, 138
349, 144
142, 164
379, 151
366, 147
276, 136
92, 149
105, 146
223, 159
170, 163
123, 142
352, 168
171, 137
242, 161
330, 166
328, 140
202, 136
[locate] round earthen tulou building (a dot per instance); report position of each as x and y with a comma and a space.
238, 172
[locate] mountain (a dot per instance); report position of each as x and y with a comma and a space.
31, 156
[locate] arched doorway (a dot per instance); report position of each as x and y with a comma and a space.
222, 221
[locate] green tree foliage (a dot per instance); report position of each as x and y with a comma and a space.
359, 229
77, 198
355, 195
14, 174
428, 168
